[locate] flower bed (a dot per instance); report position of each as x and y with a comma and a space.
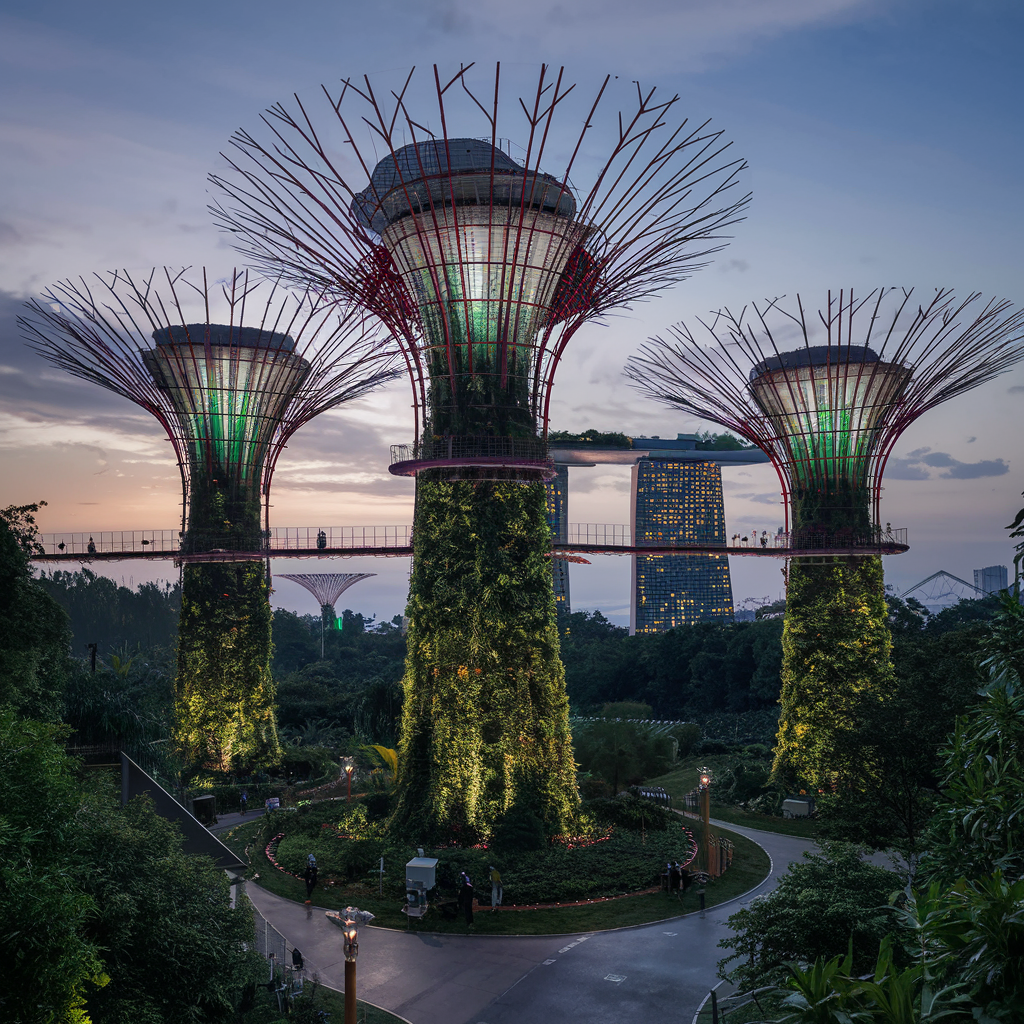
609, 861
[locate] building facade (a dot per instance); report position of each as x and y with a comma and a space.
557, 489
677, 501
991, 579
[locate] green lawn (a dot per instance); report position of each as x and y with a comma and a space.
334, 1003
679, 782
750, 865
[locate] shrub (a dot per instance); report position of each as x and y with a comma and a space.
687, 737
631, 812
831, 901
519, 831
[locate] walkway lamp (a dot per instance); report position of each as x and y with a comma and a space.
351, 919
348, 765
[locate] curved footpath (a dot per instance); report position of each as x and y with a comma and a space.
657, 972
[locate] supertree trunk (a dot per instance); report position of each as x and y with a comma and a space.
836, 661
224, 692
485, 721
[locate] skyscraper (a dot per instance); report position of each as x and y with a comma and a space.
991, 579
678, 502
557, 490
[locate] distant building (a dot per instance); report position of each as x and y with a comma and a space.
991, 579
557, 490
678, 502
681, 502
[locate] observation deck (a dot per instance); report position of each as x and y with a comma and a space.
396, 542
476, 458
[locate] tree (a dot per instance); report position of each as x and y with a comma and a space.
936, 679
34, 636
51, 964
172, 944
832, 901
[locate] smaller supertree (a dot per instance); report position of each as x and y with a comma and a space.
230, 371
827, 396
326, 587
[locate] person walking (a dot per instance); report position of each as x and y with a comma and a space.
243, 801
310, 877
466, 897
496, 890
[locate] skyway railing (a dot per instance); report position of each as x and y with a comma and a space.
585, 538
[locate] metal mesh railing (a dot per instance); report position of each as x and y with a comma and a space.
456, 450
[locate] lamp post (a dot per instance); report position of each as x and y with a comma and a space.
705, 813
348, 765
351, 919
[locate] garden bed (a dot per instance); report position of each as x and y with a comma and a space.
610, 883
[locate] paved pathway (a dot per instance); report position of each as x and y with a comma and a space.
658, 973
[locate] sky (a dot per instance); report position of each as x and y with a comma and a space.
884, 141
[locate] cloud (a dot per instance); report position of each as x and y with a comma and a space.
769, 498
915, 466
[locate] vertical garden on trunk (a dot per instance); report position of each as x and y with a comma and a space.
485, 721
836, 661
224, 694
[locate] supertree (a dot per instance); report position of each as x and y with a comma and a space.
827, 395
326, 587
482, 266
230, 370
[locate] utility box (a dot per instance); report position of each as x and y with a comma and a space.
420, 875
798, 807
205, 808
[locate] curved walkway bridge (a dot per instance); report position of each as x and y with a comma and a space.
396, 541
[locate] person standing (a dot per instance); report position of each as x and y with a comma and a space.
466, 897
243, 801
496, 890
310, 877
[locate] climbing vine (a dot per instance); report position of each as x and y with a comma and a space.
485, 724
224, 693
836, 658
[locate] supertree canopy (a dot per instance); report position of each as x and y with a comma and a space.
229, 389
437, 207
228, 394
826, 396
326, 587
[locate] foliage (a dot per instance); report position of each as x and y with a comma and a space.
50, 963
821, 906
172, 944
115, 617
979, 827
519, 830
485, 715
726, 442
609, 439
622, 752
34, 637
836, 666
630, 811
125, 704
972, 934
625, 861
828, 992
224, 693
687, 672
